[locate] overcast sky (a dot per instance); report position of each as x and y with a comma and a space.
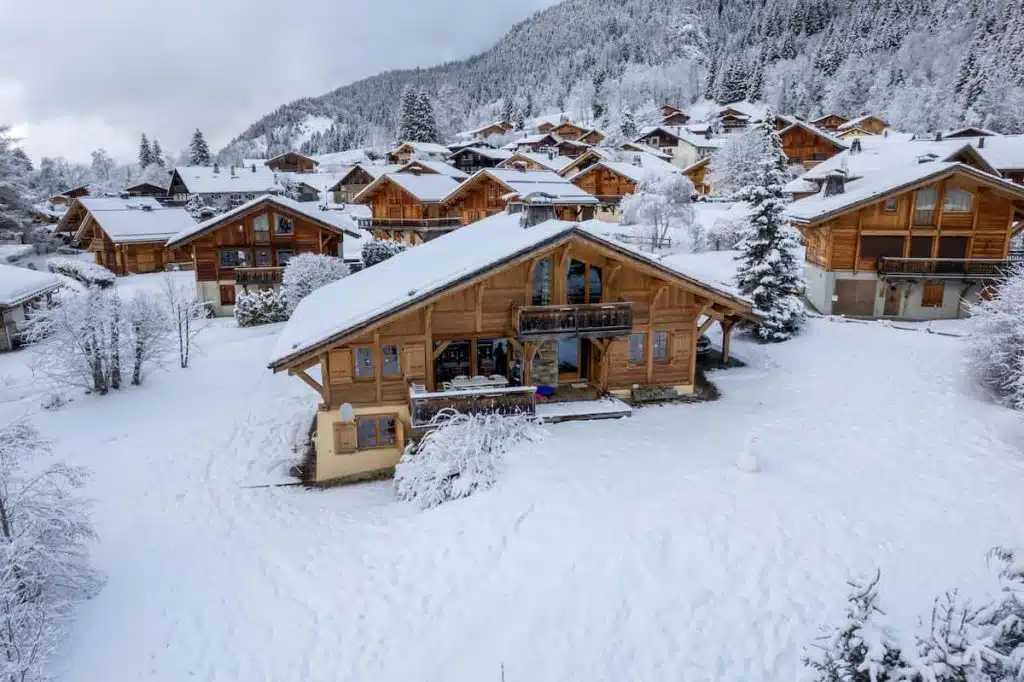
81, 75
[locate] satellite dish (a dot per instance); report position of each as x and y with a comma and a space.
346, 413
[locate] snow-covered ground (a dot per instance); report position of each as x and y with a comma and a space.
630, 549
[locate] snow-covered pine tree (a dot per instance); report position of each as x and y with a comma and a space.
627, 126
14, 190
769, 272
198, 150
861, 649
996, 342
407, 131
508, 109
158, 153
145, 152
426, 122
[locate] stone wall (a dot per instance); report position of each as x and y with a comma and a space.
545, 364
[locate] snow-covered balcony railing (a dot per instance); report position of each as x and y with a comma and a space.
593, 320
421, 223
425, 405
939, 268
258, 275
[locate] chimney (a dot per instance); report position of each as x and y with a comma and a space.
835, 183
232, 170
216, 167
855, 147
981, 142
254, 168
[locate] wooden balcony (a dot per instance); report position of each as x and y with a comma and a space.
426, 409
595, 320
943, 268
420, 224
258, 275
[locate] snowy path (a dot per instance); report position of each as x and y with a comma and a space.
630, 549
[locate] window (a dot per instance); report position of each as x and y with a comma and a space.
227, 294
953, 247
261, 229
375, 431
363, 359
283, 226
878, 247
262, 258
931, 296
576, 286
957, 201
924, 199
661, 345
636, 347
542, 283
920, 247
891, 204
594, 293
234, 259
392, 367
250, 197
283, 256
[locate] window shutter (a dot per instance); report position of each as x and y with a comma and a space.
341, 366
345, 441
414, 361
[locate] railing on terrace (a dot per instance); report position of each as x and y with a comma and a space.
416, 222
955, 268
424, 406
588, 319
258, 275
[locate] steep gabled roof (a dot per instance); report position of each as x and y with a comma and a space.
287, 154
879, 155
329, 220
429, 270
439, 167
19, 285
641, 147
553, 162
372, 170
428, 148
522, 183
135, 220
855, 123
814, 130
429, 188
487, 152
629, 169
822, 118
221, 180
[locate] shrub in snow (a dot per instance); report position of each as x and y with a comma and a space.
53, 401
90, 274
260, 307
724, 234
661, 210
996, 342
737, 164
307, 272
462, 455
379, 250
44, 557
769, 271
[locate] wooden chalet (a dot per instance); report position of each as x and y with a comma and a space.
668, 110
611, 179
248, 247
968, 131
493, 311
684, 147
533, 143
807, 145
829, 122
471, 159
355, 180
145, 189
408, 207
292, 162
591, 137
407, 151
489, 192
129, 236
69, 195
429, 167
549, 160
222, 187
485, 131
698, 175
676, 118
867, 124
913, 241
20, 290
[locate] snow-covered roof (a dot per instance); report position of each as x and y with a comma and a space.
969, 131
18, 285
683, 134
554, 162
829, 115
522, 183
466, 134
45, 208
244, 180
374, 171
628, 168
800, 186
439, 167
814, 130
875, 187
428, 148
526, 140
426, 187
879, 154
333, 220
1003, 152
641, 147
855, 123
136, 220
749, 109
486, 152
550, 119
418, 274
286, 154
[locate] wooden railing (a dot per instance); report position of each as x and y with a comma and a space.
416, 222
425, 409
258, 275
958, 268
594, 319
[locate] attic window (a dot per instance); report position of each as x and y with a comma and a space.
957, 201
891, 204
283, 225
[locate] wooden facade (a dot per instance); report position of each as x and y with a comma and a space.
397, 214
698, 175
604, 183
483, 195
471, 160
146, 189
592, 137
803, 145
354, 182
676, 118
830, 122
292, 162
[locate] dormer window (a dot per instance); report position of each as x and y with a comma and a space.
891, 204
957, 201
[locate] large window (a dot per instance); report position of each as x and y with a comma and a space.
637, 343
577, 282
454, 361
924, 206
542, 282
283, 256
363, 360
391, 364
957, 201
261, 229
262, 258
283, 226
660, 345
878, 247
920, 247
376, 431
234, 259
953, 247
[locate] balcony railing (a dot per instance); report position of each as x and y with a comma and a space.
593, 320
939, 268
418, 223
258, 275
427, 409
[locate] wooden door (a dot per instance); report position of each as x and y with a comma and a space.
855, 297
892, 300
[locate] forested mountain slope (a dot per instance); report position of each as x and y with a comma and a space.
922, 64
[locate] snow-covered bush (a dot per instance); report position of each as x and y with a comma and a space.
725, 233
661, 210
996, 342
44, 556
378, 250
264, 306
463, 455
90, 274
737, 164
307, 272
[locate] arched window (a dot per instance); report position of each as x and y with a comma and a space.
957, 201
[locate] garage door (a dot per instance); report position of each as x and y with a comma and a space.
855, 297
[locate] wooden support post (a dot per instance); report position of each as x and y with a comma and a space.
531, 350
608, 286
649, 342
325, 377
479, 318
726, 338
378, 366
301, 373
707, 325
441, 348
856, 245
428, 346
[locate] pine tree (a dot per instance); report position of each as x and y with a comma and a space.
755, 84
158, 153
508, 109
426, 123
769, 272
406, 116
627, 126
198, 151
145, 152
528, 105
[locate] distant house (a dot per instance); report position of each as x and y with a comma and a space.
145, 189
591, 137
407, 151
567, 130
20, 289
356, 179
67, 196
537, 161
684, 147
738, 116
969, 131
407, 206
807, 145
489, 192
698, 175
646, 148
420, 166
221, 187
533, 143
129, 236
485, 131
611, 180
676, 118
248, 246
471, 159
292, 162
829, 122
867, 123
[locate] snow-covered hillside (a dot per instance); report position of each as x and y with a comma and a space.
617, 550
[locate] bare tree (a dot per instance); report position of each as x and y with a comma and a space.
149, 331
187, 315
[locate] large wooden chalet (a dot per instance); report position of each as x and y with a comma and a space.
829, 122
805, 144
248, 247
356, 179
913, 241
489, 192
611, 179
407, 206
471, 159
292, 162
494, 310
